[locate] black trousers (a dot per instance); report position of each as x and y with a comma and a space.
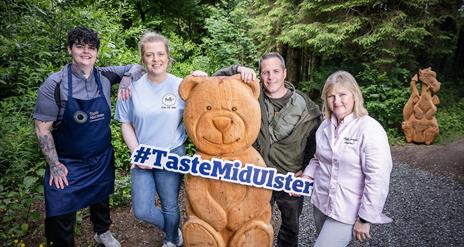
290, 210
59, 230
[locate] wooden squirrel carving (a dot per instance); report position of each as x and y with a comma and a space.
419, 122
222, 118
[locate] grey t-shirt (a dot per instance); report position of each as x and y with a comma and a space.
46, 108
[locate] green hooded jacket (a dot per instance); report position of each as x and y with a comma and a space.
292, 142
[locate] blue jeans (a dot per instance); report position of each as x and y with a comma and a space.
146, 185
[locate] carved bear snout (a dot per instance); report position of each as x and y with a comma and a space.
222, 123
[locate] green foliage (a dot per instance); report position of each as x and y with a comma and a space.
23, 60
22, 169
121, 162
314, 87
382, 43
270, 18
229, 39
451, 122
451, 91
369, 31
26, 61
384, 95
187, 56
183, 17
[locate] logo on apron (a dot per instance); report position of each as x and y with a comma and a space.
96, 116
169, 101
80, 117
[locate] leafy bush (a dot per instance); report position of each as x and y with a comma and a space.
22, 166
384, 95
122, 158
25, 62
187, 56
314, 88
451, 122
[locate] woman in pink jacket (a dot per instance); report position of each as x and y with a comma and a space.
351, 167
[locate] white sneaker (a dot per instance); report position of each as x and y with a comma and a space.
168, 244
179, 242
107, 239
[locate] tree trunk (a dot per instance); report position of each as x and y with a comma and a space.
305, 57
293, 60
139, 7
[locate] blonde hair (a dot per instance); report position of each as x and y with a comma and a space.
343, 79
154, 37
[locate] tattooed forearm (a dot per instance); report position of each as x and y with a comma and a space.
47, 145
58, 171
48, 149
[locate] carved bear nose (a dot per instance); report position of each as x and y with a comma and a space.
222, 123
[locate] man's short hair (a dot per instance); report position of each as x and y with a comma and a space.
83, 35
272, 55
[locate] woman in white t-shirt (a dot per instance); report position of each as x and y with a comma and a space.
153, 116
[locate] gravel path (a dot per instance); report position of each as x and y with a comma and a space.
427, 210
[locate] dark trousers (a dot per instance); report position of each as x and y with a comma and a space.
290, 210
59, 230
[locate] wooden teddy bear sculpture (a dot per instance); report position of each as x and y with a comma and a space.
222, 118
420, 124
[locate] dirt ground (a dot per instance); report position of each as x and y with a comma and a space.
446, 160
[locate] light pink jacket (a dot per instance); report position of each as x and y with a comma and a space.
351, 170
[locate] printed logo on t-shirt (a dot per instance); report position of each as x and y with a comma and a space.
169, 101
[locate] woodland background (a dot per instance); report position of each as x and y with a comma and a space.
382, 42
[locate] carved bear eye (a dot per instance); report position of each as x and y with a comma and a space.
234, 108
208, 108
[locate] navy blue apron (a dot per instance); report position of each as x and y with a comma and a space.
83, 144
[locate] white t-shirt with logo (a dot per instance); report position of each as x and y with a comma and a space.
155, 111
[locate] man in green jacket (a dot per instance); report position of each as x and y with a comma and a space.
289, 120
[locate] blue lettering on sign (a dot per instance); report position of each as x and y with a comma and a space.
141, 155
224, 170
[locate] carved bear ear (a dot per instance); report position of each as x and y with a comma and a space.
254, 86
188, 84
